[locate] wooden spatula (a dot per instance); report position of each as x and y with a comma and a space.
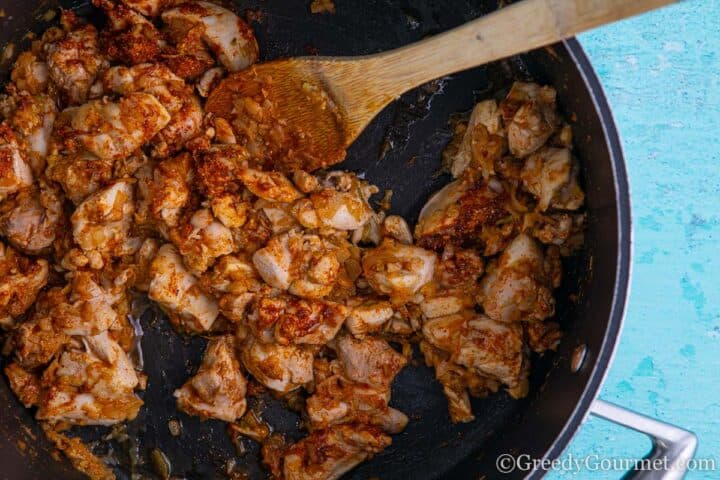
304, 112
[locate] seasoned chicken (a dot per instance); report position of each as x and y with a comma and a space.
492, 348
337, 401
483, 142
24, 384
79, 174
519, 286
169, 190
298, 320
33, 219
91, 387
178, 292
552, 176
15, 171
234, 282
113, 130
306, 265
229, 37
178, 99
21, 279
201, 240
530, 115
343, 447
398, 270
129, 37
37, 339
370, 360
101, 223
74, 61
458, 382
90, 306
149, 8
32, 118
279, 367
340, 203
218, 169
30, 73
272, 186
367, 316
218, 388
456, 214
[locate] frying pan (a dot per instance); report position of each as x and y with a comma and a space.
401, 150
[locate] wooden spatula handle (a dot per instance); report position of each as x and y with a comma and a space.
514, 29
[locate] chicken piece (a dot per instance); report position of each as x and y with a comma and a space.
218, 167
80, 174
519, 287
280, 215
342, 202
455, 214
231, 210
188, 55
92, 387
337, 401
255, 232
455, 283
218, 388
79, 454
458, 383
561, 229
15, 171
279, 367
552, 176
177, 291
395, 227
201, 240
30, 73
458, 268
303, 264
21, 279
177, 98
90, 306
169, 190
37, 340
75, 61
205, 84
343, 447
367, 315
33, 219
543, 336
298, 320
370, 360
24, 384
114, 130
229, 37
130, 38
101, 223
492, 348
482, 142
398, 270
149, 8
272, 186
234, 282
530, 116
32, 118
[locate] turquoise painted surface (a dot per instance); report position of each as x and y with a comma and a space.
661, 73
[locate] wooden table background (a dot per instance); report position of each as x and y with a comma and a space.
661, 73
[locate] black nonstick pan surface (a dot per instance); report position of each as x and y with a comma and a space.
401, 150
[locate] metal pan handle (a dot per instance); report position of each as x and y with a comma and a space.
673, 447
